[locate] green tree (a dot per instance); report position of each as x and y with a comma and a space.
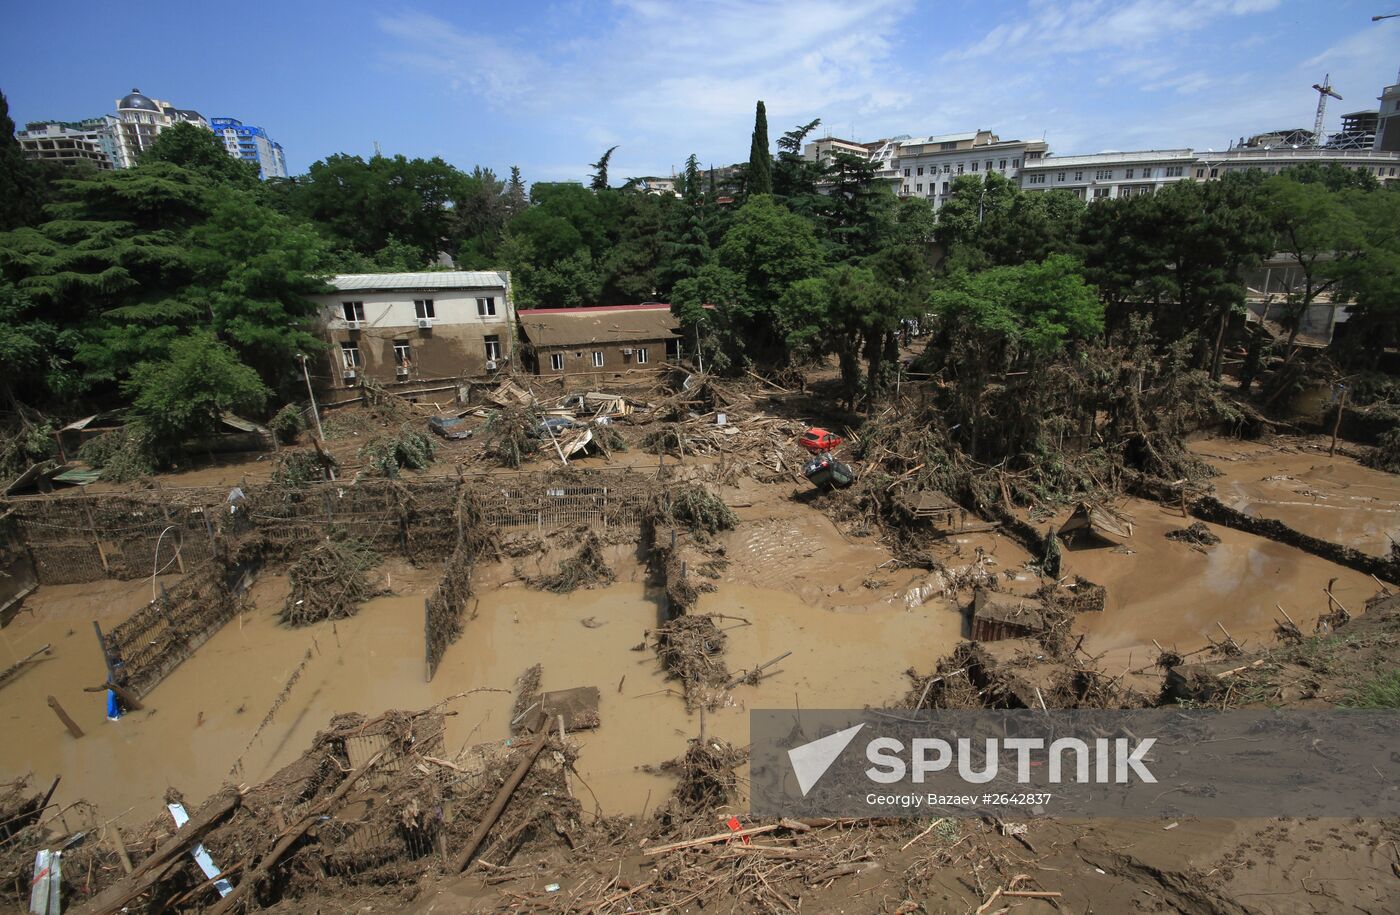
27, 348
182, 395
199, 151
765, 250
1371, 280
599, 180
516, 198
760, 173
692, 190
1317, 231
20, 196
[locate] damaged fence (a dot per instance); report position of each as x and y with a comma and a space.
444, 610
157, 638
80, 537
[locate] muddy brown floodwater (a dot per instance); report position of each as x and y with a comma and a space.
1335, 498
204, 716
1163, 589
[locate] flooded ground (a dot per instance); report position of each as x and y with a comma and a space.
1335, 498
1165, 590
205, 715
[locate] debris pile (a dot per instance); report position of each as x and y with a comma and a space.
1197, 534
330, 581
691, 648
391, 452
585, 569
705, 777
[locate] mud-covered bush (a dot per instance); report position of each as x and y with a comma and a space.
389, 453
123, 454
287, 424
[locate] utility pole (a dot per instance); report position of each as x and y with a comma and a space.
699, 354
315, 413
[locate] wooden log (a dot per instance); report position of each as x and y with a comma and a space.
711, 839
498, 806
67, 720
153, 869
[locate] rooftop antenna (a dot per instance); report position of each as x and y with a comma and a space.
377, 153
1323, 90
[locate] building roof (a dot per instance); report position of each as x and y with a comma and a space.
444, 279
1113, 158
945, 138
549, 327
136, 101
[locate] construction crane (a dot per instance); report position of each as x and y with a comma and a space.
1324, 89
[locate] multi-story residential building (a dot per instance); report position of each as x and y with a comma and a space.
597, 344
1388, 120
1115, 174
251, 144
412, 326
826, 148
140, 119
1124, 174
88, 142
927, 166
657, 185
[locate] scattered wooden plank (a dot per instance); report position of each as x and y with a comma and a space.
67, 720
498, 806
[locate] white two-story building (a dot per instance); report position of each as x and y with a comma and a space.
416, 326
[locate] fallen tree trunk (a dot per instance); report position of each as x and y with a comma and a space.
1209, 508
153, 869
498, 806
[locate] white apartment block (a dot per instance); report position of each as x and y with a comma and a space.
1110, 175
926, 167
90, 142
140, 119
825, 149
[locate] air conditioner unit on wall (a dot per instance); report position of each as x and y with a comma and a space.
352, 325
401, 371
425, 323
490, 365
627, 351
349, 376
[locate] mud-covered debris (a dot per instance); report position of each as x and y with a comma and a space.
1197, 534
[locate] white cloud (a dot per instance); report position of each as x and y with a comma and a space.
672, 75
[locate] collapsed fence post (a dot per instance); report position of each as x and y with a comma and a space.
92, 526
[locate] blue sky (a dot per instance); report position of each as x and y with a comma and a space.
550, 85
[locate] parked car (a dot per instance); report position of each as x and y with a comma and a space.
824, 471
450, 427
551, 426
817, 440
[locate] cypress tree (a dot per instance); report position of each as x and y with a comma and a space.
760, 162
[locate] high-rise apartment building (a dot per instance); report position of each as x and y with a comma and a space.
251, 144
140, 119
89, 142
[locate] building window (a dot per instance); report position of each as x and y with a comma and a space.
556, 361
1100, 193
350, 356
493, 346
1174, 171
960, 168
918, 188
1015, 163
989, 165
403, 354
1128, 173
921, 169
1059, 176
1104, 174
642, 356
974, 166
353, 311
597, 358
486, 308
423, 308
1078, 176
906, 173
906, 188
1036, 179
1002, 166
